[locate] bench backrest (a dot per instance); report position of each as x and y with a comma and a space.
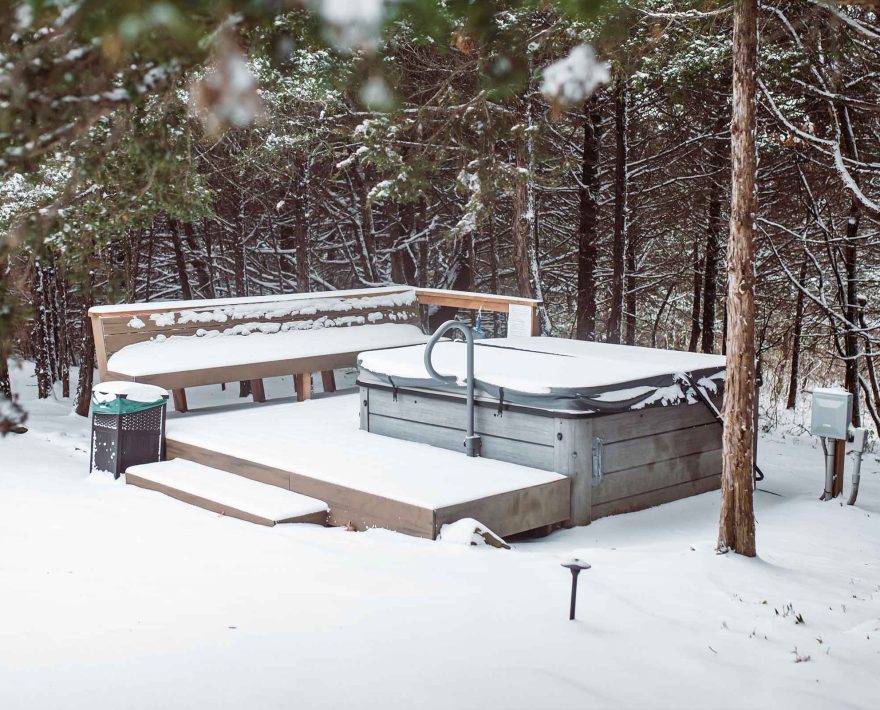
115, 327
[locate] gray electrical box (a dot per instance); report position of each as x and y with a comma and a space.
832, 413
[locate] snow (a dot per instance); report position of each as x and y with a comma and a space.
573, 78
466, 531
134, 391
237, 492
183, 353
125, 308
116, 597
321, 439
541, 365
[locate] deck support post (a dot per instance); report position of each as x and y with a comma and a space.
303, 385
179, 400
257, 390
328, 380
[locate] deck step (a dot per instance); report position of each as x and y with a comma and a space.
227, 493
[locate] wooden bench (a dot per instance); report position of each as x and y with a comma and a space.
182, 344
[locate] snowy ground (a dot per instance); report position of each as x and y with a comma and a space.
114, 596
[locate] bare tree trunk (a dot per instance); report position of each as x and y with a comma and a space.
203, 278
620, 213
851, 338
630, 298
713, 252
87, 351
587, 226
179, 259
5, 386
796, 340
521, 225
736, 530
301, 233
697, 267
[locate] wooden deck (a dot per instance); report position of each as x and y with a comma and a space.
316, 449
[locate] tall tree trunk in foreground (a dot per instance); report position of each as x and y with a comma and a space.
737, 521
587, 226
620, 214
796, 340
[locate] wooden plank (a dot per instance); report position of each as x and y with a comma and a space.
215, 507
347, 505
513, 512
473, 301
573, 456
493, 447
451, 413
100, 350
644, 422
258, 392
657, 475
659, 447
249, 469
328, 381
657, 497
236, 373
179, 396
303, 385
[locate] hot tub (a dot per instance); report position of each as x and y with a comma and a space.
622, 422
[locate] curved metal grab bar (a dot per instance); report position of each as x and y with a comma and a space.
471, 440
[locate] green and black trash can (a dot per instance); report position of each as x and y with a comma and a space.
128, 425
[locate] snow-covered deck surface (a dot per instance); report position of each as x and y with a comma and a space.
321, 439
542, 364
215, 349
259, 499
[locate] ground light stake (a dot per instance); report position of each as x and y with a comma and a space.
575, 565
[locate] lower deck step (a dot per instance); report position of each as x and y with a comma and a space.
226, 493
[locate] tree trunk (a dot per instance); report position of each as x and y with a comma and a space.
630, 298
179, 259
713, 249
521, 228
696, 297
620, 214
796, 340
587, 225
851, 338
5, 386
301, 229
737, 520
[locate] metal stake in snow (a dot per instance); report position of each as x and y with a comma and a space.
575, 565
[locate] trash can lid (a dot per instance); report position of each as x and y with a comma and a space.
132, 391
126, 397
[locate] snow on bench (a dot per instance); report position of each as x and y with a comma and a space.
227, 493
180, 344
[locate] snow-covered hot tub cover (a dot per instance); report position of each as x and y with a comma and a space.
555, 374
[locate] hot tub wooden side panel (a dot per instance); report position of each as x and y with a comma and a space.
655, 456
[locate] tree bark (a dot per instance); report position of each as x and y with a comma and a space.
737, 520
179, 259
713, 252
630, 298
620, 213
793, 378
696, 299
587, 226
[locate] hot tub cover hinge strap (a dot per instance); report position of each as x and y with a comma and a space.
394, 390
500, 401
